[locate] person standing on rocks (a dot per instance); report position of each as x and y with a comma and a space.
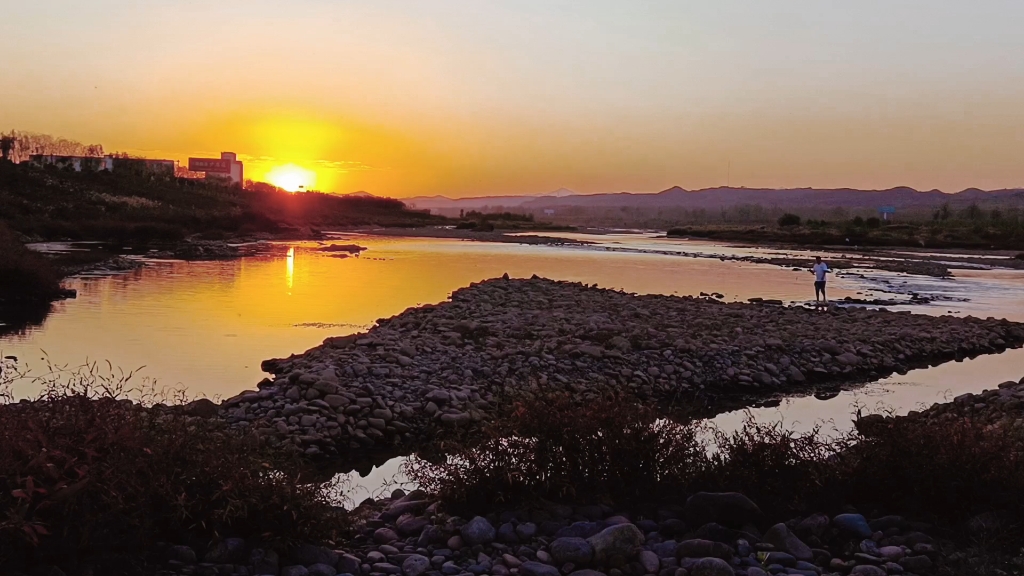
820, 269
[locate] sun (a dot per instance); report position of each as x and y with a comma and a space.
292, 178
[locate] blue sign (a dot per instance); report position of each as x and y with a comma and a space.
887, 210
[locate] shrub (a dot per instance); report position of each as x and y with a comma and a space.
947, 472
86, 474
24, 274
553, 448
787, 220
615, 452
858, 221
873, 222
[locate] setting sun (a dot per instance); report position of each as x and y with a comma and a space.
292, 178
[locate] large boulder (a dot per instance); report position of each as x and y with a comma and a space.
622, 540
571, 550
415, 565
712, 567
852, 525
730, 509
478, 531
784, 540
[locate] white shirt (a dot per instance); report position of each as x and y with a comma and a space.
820, 269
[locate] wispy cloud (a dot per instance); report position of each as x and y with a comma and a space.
340, 166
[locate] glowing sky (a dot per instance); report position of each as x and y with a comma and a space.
468, 97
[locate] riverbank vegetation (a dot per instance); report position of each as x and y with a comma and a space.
88, 478
964, 477
969, 227
505, 221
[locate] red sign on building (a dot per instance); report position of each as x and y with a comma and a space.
214, 165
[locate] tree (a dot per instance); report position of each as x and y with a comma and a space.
28, 143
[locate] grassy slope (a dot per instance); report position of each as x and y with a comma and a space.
55, 204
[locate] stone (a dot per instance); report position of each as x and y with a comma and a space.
694, 548
852, 525
384, 536
478, 531
650, 561
507, 534
537, 569
411, 525
813, 525
264, 562
415, 565
526, 530
308, 554
571, 550
182, 554
620, 540
348, 564
784, 540
916, 564
227, 551
730, 509
586, 573
712, 567
867, 570
294, 571
321, 570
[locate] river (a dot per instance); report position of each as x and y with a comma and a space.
204, 327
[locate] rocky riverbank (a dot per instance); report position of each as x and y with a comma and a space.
713, 534
1002, 407
456, 363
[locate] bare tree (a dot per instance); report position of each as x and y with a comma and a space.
28, 143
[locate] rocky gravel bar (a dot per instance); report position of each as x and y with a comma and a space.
1001, 408
458, 362
713, 534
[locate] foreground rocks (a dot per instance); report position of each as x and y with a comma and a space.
711, 535
455, 363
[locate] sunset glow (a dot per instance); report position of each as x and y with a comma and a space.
292, 178
466, 98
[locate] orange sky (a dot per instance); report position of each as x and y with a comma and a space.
462, 97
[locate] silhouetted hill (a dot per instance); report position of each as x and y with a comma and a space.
716, 198
724, 197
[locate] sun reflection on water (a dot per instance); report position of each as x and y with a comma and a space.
290, 270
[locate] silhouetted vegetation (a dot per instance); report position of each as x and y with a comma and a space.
86, 475
491, 221
25, 276
57, 204
969, 227
620, 453
789, 220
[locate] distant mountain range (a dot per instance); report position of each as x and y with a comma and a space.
724, 197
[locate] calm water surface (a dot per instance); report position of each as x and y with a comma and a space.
206, 326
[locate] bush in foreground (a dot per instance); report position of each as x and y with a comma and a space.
622, 454
85, 475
